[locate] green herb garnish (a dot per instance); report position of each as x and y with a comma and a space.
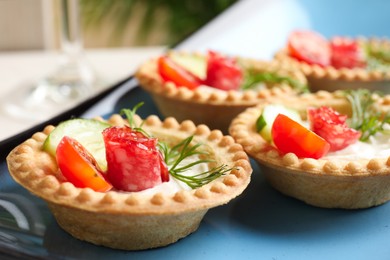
174, 156
365, 116
377, 57
252, 78
129, 114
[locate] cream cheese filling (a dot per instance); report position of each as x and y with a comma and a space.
174, 185
377, 146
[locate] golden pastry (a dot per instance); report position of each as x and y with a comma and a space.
131, 220
334, 170
212, 89
339, 63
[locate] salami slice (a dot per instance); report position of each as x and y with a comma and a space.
133, 161
223, 72
332, 126
346, 53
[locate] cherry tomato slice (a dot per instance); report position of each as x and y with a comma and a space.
291, 137
309, 47
223, 72
79, 167
170, 71
332, 126
133, 161
346, 53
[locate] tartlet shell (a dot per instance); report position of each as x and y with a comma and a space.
332, 79
323, 183
131, 221
213, 107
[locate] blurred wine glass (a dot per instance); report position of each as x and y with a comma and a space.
71, 82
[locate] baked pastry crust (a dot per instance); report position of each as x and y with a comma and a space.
342, 183
132, 221
213, 107
332, 79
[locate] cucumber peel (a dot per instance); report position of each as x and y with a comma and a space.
86, 131
196, 64
266, 119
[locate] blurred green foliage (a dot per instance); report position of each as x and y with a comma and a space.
182, 17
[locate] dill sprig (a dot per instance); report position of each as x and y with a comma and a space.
129, 114
377, 57
252, 78
366, 118
198, 180
175, 155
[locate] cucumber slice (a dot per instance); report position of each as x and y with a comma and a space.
265, 121
193, 63
87, 131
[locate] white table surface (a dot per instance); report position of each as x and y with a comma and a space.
19, 68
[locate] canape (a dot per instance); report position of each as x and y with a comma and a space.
312, 154
340, 62
213, 88
138, 198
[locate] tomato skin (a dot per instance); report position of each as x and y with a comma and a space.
79, 167
223, 72
332, 126
309, 47
346, 53
133, 161
291, 137
170, 71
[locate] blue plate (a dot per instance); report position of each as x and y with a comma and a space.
261, 223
